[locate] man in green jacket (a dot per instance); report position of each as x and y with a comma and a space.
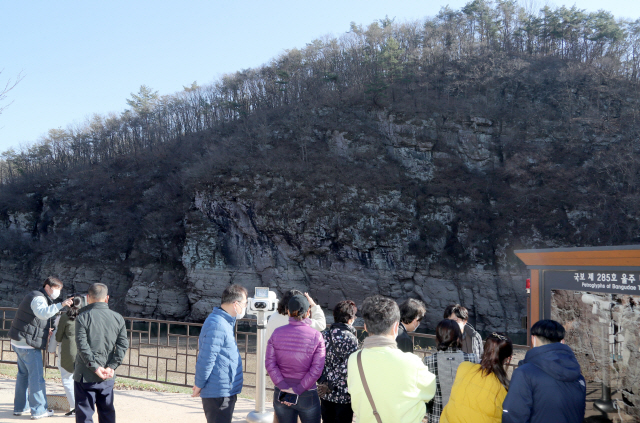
399, 384
101, 338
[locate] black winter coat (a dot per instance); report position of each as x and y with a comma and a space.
405, 343
547, 387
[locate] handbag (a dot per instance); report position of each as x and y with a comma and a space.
366, 388
52, 346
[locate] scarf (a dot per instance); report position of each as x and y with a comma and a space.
373, 341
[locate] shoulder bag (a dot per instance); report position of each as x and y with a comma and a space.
366, 388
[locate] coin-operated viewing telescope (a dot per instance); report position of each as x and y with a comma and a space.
263, 304
263, 301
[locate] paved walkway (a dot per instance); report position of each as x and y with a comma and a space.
131, 406
161, 407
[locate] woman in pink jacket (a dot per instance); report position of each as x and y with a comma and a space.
295, 359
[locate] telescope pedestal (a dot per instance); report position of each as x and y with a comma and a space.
256, 417
260, 415
604, 404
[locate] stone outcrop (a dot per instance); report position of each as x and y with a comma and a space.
429, 207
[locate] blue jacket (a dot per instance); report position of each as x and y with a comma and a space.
547, 387
219, 365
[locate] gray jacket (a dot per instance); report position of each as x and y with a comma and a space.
101, 338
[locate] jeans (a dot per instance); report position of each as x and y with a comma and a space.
90, 396
30, 388
67, 384
307, 408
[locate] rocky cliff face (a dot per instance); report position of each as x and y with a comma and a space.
429, 206
606, 343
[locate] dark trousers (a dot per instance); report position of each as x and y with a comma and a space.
219, 410
332, 412
92, 395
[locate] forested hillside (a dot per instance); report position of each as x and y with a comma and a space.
406, 159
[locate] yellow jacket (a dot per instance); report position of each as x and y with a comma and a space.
400, 385
474, 397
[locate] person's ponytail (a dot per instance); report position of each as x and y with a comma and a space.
296, 314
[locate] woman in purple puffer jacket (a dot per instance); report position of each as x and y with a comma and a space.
295, 359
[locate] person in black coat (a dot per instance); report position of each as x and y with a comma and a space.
547, 387
411, 313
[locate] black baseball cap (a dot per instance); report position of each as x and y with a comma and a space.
299, 303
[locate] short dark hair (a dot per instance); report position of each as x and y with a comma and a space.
412, 309
379, 314
52, 281
448, 311
344, 311
448, 335
233, 293
461, 312
283, 304
548, 330
98, 291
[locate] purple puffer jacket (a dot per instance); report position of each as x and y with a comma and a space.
295, 356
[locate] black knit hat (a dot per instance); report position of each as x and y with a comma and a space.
298, 303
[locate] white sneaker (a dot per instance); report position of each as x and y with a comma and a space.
48, 413
21, 413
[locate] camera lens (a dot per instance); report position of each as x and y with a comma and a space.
260, 304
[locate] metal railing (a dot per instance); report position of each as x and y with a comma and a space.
159, 350
6, 354
425, 344
166, 351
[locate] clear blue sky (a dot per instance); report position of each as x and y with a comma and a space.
84, 57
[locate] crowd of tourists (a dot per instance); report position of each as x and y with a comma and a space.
319, 373
327, 374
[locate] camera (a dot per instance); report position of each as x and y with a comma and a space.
79, 301
263, 300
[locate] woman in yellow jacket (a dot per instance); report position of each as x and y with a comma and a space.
480, 389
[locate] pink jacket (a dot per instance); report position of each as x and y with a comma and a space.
295, 356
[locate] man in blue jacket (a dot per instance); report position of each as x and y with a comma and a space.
218, 378
547, 387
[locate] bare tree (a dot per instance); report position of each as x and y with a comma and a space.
10, 84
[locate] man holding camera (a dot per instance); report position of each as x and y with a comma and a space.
218, 379
29, 333
101, 339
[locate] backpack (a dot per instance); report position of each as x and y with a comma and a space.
447, 367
